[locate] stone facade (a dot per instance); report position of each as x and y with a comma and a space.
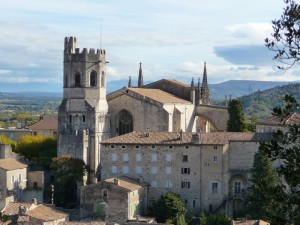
209, 172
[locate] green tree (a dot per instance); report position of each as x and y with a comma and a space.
265, 197
236, 122
3, 219
285, 40
68, 172
169, 209
215, 219
37, 148
7, 141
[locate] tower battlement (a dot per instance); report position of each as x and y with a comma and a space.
72, 53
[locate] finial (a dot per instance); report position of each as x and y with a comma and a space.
192, 83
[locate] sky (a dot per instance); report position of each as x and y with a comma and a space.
172, 39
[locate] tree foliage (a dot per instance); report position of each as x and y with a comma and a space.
169, 209
285, 40
236, 122
7, 141
68, 171
213, 219
285, 148
3, 219
37, 148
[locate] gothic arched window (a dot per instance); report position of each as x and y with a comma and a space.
77, 80
93, 79
125, 122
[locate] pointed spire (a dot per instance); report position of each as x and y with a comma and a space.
140, 81
192, 84
198, 93
129, 82
204, 89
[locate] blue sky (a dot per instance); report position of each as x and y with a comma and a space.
172, 39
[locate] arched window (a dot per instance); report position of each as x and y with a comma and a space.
125, 122
93, 79
77, 80
102, 79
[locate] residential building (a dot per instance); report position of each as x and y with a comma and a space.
46, 126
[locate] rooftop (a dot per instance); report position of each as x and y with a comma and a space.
162, 137
275, 121
125, 182
46, 213
11, 164
46, 123
12, 208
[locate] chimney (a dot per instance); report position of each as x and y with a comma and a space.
196, 138
181, 135
34, 201
116, 181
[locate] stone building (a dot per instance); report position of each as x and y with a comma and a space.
114, 199
209, 171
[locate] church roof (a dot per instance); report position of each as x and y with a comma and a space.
11, 164
161, 137
168, 80
46, 123
158, 95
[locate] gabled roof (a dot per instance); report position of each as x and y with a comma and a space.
12, 208
46, 213
177, 82
11, 164
47, 123
162, 137
158, 95
125, 182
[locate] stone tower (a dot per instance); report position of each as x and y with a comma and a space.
83, 119
205, 99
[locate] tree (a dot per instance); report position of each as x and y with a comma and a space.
68, 171
3, 219
169, 209
215, 219
285, 41
285, 147
236, 122
37, 148
7, 141
265, 197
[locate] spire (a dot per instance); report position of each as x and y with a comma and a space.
192, 84
198, 95
140, 82
129, 82
204, 89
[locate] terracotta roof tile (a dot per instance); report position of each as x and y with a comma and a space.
275, 121
158, 95
174, 138
84, 223
47, 123
46, 213
11, 164
12, 208
126, 182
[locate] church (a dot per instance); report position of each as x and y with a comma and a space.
165, 134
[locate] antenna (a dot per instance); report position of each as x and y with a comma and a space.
101, 33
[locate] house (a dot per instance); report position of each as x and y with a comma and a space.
114, 199
250, 222
46, 126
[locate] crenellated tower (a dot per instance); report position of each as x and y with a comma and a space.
83, 114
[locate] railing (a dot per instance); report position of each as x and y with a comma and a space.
237, 195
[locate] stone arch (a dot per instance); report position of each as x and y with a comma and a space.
77, 80
237, 184
204, 125
93, 79
125, 122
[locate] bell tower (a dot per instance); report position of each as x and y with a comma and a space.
83, 119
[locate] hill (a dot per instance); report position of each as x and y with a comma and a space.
261, 103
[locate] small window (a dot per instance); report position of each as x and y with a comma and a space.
237, 187
215, 158
138, 157
185, 158
152, 146
154, 170
154, 157
123, 146
186, 147
20, 177
83, 118
70, 118
125, 169
114, 169
13, 179
185, 184
104, 193
154, 183
125, 157
194, 203
185, 170
168, 184
215, 147
137, 146
138, 170
93, 79
171, 147
112, 146
114, 157
168, 158
214, 187
168, 170
77, 80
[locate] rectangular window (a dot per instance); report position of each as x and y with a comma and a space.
114, 169
154, 170
194, 203
138, 170
20, 177
13, 179
104, 193
185, 170
214, 188
237, 187
114, 157
154, 157
125, 169
185, 184
168, 158
154, 183
138, 157
215, 158
168, 184
168, 170
185, 158
125, 157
